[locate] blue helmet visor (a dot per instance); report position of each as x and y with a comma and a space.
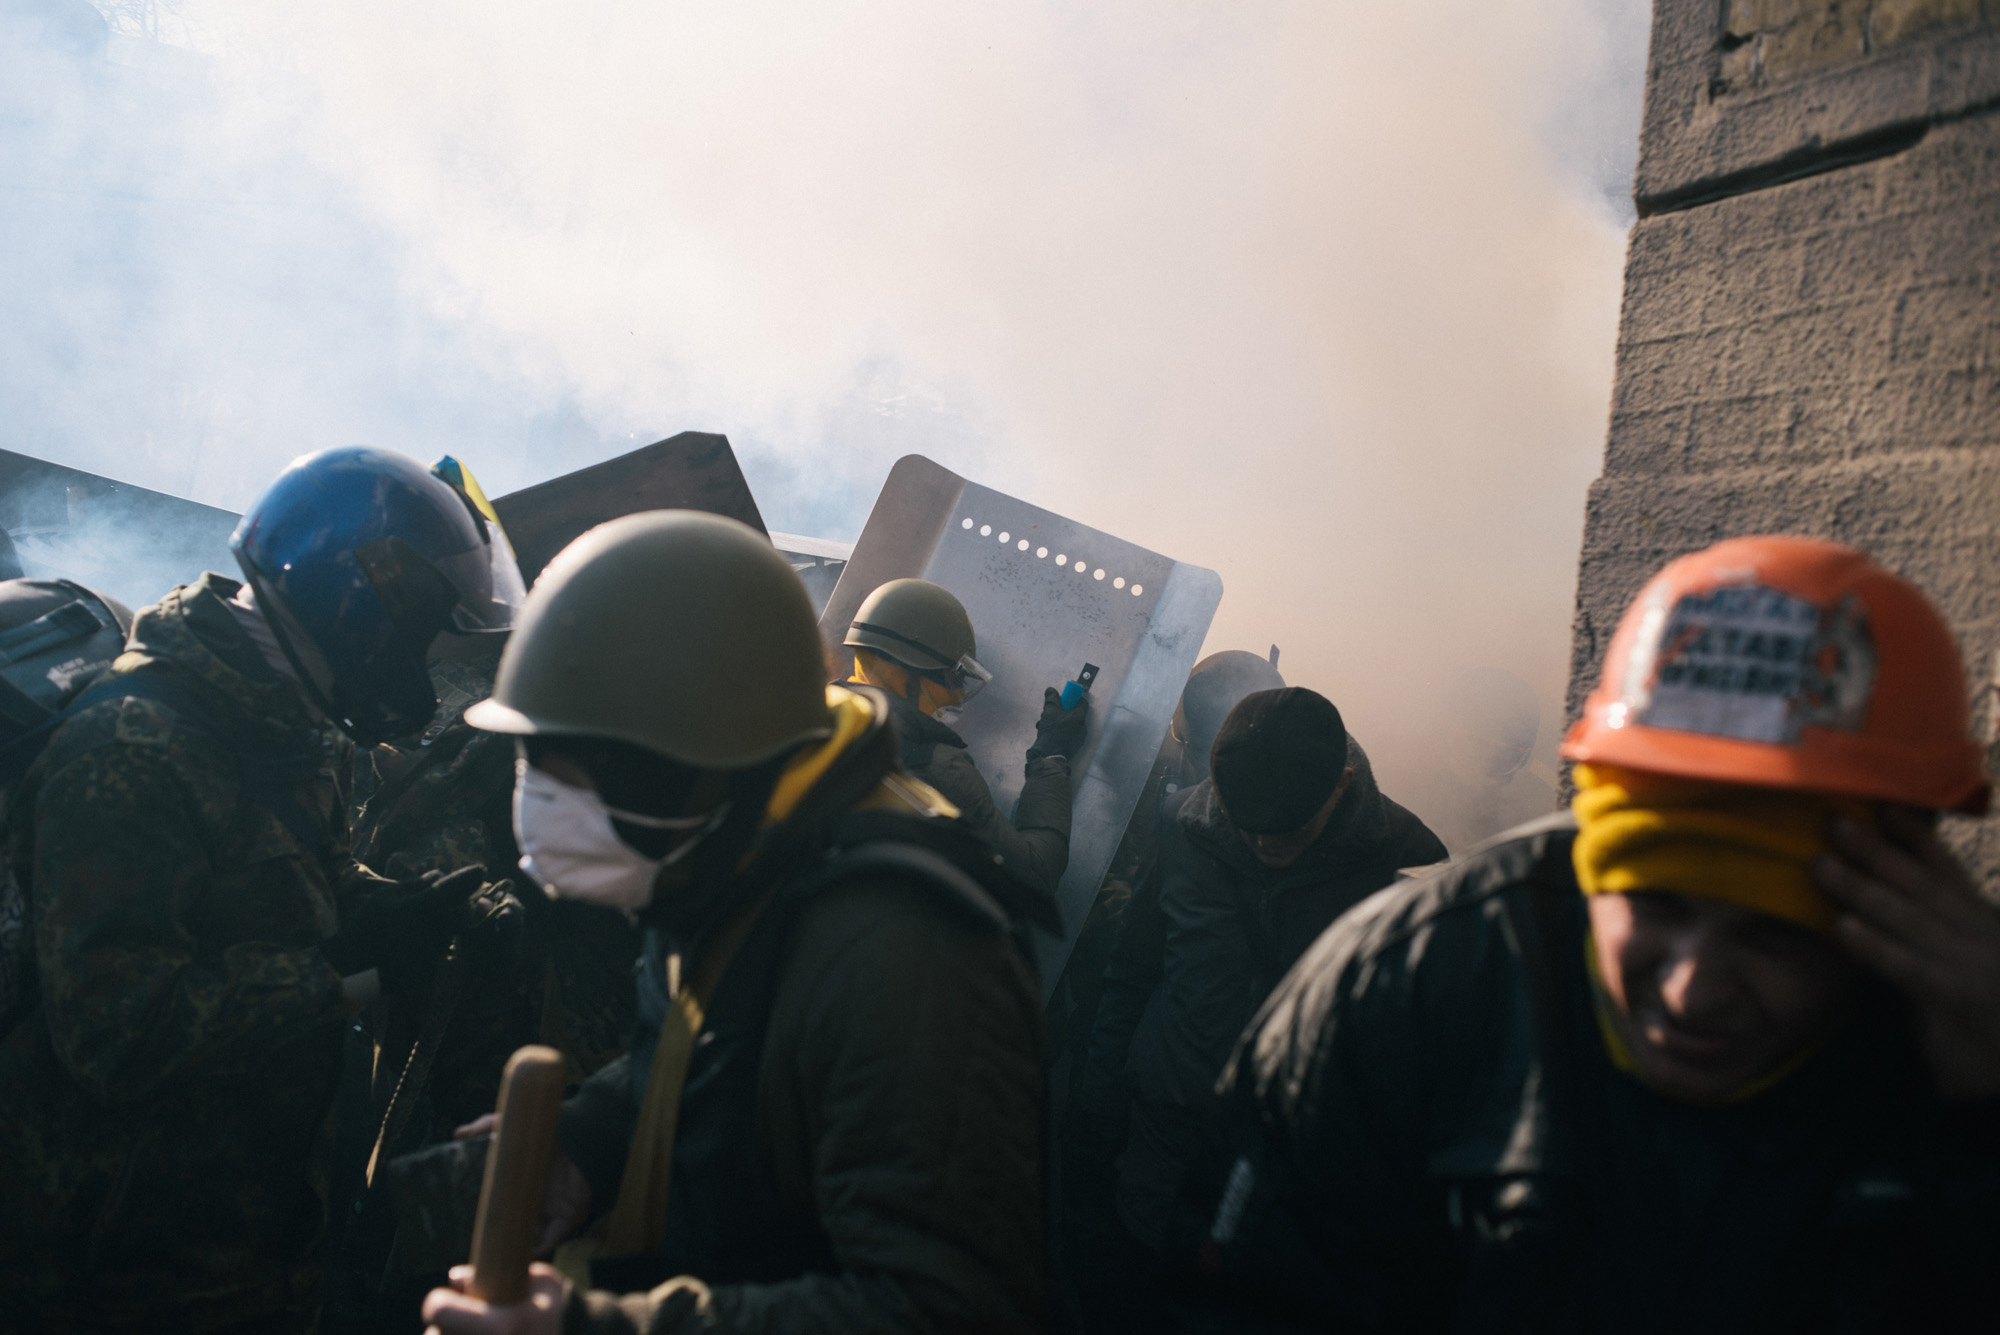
361, 559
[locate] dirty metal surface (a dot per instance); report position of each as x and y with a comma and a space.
695, 470
125, 541
136, 544
1046, 595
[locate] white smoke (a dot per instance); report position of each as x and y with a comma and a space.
1321, 295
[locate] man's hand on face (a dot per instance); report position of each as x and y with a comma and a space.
1914, 916
566, 1207
454, 1311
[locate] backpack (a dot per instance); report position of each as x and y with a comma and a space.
53, 667
56, 639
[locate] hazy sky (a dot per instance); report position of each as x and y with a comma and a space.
1322, 295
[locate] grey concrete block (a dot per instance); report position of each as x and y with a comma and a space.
1846, 314
1710, 126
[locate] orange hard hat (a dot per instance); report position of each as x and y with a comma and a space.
1788, 663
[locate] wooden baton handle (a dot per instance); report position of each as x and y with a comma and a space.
517, 1174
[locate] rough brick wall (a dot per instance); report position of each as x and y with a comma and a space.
1769, 40
1810, 344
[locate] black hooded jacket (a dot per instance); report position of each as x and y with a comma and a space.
1035, 844
1227, 928
1426, 1134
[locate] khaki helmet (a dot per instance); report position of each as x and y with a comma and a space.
915, 622
673, 630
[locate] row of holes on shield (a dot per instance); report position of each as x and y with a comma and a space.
1081, 566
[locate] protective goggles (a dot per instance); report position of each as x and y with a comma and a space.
965, 676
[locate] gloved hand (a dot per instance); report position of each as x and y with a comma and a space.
495, 928
1059, 731
403, 932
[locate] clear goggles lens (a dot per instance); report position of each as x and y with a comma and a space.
966, 677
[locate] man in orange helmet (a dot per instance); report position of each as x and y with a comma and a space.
1720, 1050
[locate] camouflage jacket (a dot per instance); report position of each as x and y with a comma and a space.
448, 803
164, 1107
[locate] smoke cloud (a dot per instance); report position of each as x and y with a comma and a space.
1322, 295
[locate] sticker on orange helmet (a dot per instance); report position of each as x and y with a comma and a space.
1750, 662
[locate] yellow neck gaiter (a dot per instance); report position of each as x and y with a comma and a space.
1639, 831
871, 669
850, 714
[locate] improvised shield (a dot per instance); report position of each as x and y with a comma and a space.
1046, 595
118, 539
136, 544
818, 562
695, 470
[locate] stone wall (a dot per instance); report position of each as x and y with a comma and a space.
1810, 339
1770, 40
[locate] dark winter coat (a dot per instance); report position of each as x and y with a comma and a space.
1432, 1138
1034, 845
857, 1144
568, 983
163, 1110
1227, 929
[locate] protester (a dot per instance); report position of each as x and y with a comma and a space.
1719, 1051
424, 1063
913, 641
1088, 1102
181, 844
1287, 833
837, 1068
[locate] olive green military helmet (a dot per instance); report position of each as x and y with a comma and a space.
916, 623
681, 632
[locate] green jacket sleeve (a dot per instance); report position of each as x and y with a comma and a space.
596, 1129
123, 880
1035, 844
900, 1098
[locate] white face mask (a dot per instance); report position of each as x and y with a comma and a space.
571, 850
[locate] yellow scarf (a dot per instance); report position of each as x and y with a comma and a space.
871, 669
638, 1218
1640, 831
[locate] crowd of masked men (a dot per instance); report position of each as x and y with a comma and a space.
294, 863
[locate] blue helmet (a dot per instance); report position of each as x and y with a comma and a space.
361, 559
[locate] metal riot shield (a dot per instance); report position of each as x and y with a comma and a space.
1046, 595
135, 544
818, 562
118, 539
695, 470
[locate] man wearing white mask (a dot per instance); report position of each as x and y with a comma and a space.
829, 1118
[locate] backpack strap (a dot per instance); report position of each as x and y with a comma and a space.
69, 621
952, 858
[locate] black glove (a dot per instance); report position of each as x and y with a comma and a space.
403, 932
1059, 731
495, 931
